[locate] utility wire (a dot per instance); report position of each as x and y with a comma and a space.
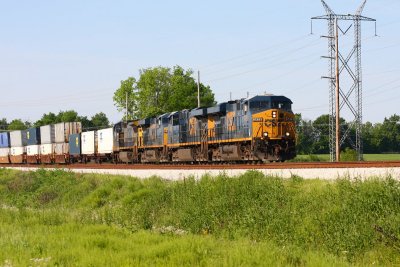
278, 55
286, 74
252, 53
259, 69
56, 100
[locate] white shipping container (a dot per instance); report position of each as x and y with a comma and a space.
61, 149
4, 152
47, 135
16, 138
33, 150
105, 140
17, 151
46, 149
88, 143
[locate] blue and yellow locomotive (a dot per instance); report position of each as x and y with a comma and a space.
260, 128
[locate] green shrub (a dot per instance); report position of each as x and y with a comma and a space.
348, 155
306, 158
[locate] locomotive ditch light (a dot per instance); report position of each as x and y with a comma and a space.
287, 134
265, 134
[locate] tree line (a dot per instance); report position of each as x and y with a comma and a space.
97, 121
313, 135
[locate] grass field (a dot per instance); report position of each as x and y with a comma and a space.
367, 157
72, 244
382, 157
56, 218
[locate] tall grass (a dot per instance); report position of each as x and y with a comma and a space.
366, 157
357, 221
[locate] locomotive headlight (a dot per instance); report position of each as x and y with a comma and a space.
287, 134
265, 134
273, 114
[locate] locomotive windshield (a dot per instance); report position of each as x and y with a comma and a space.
256, 106
259, 105
287, 106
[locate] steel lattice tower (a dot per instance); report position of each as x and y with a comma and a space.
355, 73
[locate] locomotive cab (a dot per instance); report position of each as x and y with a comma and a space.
273, 128
126, 141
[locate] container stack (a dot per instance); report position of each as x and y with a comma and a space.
18, 143
105, 141
4, 147
89, 145
105, 144
62, 132
47, 138
33, 145
74, 142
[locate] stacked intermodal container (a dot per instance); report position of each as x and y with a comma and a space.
18, 143
33, 145
47, 138
89, 145
74, 142
105, 144
5, 147
62, 132
105, 141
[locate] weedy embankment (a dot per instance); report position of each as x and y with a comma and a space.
62, 218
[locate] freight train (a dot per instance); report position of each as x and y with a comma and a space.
260, 128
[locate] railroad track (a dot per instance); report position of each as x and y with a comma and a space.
285, 165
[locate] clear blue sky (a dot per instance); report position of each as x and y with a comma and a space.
61, 55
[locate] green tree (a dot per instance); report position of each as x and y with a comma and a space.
67, 116
370, 138
154, 90
321, 134
160, 90
86, 123
305, 135
17, 124
3, 124
47, 119
184, 91
389, 134
127, 91
62, 116
100, 120
28, 124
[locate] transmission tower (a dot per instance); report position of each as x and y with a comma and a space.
355, 72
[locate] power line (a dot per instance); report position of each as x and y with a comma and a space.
286, 74
252, 53
279, 56
280, 63
56, 100
379, 87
